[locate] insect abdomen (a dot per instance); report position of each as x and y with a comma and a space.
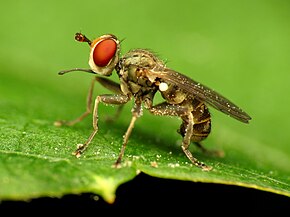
201, 119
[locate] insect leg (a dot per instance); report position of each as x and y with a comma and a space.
117, 99
114, 87
165, 109
186, 142
86, 113
215, 153
136, 112
110, 85
181, 111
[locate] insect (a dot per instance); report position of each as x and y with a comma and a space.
142, 74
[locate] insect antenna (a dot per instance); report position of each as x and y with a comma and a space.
82, 38
76, 69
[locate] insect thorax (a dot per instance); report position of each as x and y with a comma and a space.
132, 70
141, 58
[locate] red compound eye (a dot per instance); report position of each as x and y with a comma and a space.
104, 52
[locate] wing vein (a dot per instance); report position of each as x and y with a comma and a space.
201, 92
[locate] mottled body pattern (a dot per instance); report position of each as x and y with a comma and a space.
142, 74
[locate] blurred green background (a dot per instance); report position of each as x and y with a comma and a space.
239, 48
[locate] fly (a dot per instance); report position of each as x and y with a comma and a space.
142, 74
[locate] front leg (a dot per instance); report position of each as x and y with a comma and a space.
110, 85
118, 99
82, 116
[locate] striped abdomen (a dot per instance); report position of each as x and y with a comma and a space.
201, 119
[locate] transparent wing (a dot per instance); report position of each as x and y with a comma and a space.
201, 92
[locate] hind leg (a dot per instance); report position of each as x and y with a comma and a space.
214, 153
201, 129
186, 142
166, 109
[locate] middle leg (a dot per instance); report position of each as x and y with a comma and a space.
107, 99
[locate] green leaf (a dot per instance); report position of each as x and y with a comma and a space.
244, 58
